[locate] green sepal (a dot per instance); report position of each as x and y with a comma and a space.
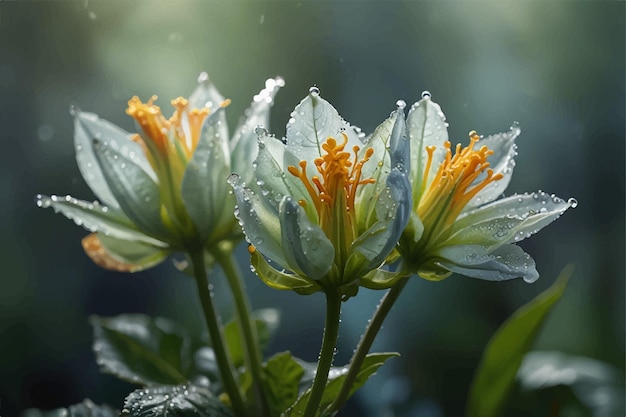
281, 280
379, 279
505, 351
178, 400
370, 365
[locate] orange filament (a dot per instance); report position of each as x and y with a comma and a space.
337, 174
453, 184
157, 128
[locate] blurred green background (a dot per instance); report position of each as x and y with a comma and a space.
556, 68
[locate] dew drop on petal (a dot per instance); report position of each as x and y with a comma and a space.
426, 94
573, 203
260, 130
314, 91
400, 104
203, 77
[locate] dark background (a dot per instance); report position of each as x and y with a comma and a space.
557, 68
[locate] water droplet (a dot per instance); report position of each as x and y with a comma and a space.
74, 110
573, 203
260, 130
314, 91
233, 179
203, 78
426, 94
400, 104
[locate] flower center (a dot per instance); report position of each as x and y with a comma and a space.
333, 191
168, 135
454, 184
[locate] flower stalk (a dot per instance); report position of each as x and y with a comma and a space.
216, 333
246, 326
327, 352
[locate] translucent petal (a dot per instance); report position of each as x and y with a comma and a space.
244, 141
272, 178
505, 262
307, 249
502, 162
136, 192
281, 280
97, 218
427, 127
312, 122
510, 219
207, 95
259, 220
89, 127
204, 189
122, 255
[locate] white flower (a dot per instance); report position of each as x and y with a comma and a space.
163, 189
459, 222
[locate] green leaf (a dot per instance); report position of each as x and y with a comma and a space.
504, 353
143, 350
140, 255
370, 365
281, 280
174, 401
266, 322
282, 375
85, 409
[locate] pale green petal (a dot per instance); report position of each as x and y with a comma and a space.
244, 141
97, 218
281, 280
207, 95
272, 177
307, 249
379, 279
204, 189
504, 263
140, 255
89, 127
427, 127
311, 123
136, 192
502, 162
259, 220
507, 220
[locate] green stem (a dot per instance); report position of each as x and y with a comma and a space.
327, 352
215, 331
248, 329
366, 343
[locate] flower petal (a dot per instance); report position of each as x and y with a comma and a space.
243, 143
259, 220
307, 249
502, 162
505, 262
271, 176
507, 220
122, 255
204, 189
207, 95
97, 218
87, 127
427, 127
136, 192
312, 122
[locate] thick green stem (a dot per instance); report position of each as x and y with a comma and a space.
246, 324
366, 343
215, 332
327, 352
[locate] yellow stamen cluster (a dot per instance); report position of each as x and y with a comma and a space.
157, 128
453, 184
338, 174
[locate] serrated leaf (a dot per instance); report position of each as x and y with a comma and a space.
370, 365
266, 322
143, 350
283, 374
503, 355
85, 409
174, 401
